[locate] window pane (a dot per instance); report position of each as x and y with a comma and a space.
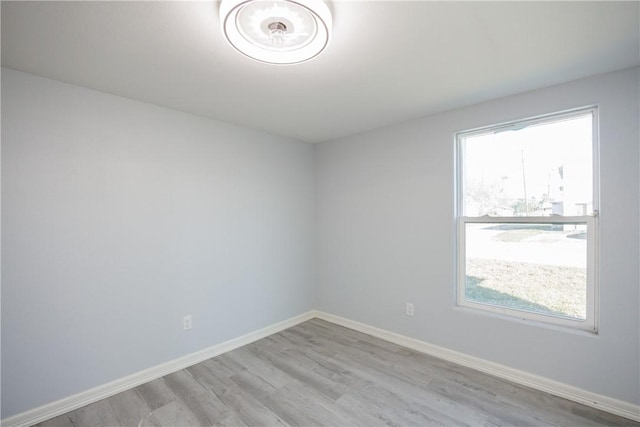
540, 170
541, 268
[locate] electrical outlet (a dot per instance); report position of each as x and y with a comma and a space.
409, 309
186, 322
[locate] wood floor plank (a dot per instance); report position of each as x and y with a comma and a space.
174, 413
183, 384
261, 367
224, 365
250, 410
97, 414
324, 411
59, 421
295, 369
129, 407
317, 373
156, 393
254, 385
287, 408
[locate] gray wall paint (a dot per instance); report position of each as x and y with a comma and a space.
385, 227
120, 217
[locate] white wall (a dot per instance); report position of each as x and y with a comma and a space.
386, 236
120, 217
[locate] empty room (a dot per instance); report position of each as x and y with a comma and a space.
320, 213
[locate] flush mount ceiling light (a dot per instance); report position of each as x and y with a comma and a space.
276, 31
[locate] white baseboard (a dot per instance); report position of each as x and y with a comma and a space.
50, 410
604, 403
79, 400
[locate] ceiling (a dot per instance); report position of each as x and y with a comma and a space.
388, 61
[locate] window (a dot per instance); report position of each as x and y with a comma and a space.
527, 215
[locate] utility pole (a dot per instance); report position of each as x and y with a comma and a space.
524, 184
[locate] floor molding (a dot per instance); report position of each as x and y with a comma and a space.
556, 388
594, 400
79, 400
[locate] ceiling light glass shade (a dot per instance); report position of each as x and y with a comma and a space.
277, 31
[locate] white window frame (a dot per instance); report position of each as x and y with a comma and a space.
590, 323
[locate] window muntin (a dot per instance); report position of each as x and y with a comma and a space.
530, 257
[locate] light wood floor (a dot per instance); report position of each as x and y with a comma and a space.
318, 373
